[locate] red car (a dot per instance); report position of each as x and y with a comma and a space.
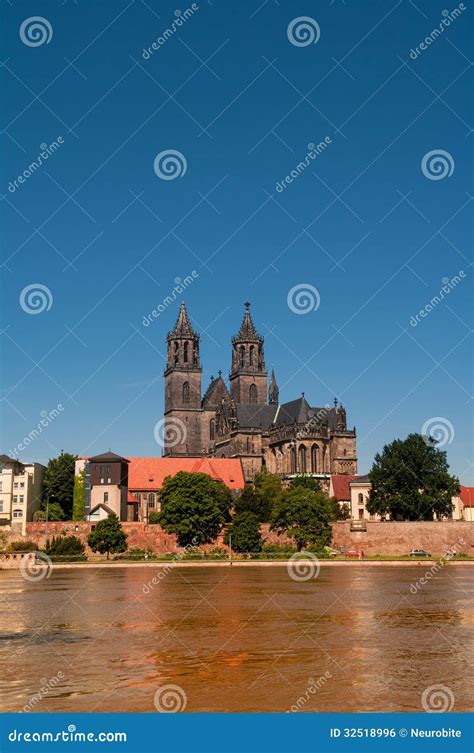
352, 553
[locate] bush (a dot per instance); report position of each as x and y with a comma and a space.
217, 553
23, 546
135, 553
245, 533
64, 546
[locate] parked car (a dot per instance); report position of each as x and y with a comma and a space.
352, 553
419, 553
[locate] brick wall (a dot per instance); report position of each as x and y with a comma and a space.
399, 538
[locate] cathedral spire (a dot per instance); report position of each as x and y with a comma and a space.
183, 327
273, 391
247, 330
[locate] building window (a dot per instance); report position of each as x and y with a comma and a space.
17, 513
212, 428
102, 480
22, 484
106, 496
15, 500
151, 500
251, 355
1, 486
1, 505
314, 458
252, 394
101, 469
109, 480
15, 485
185, 353
21, 499
293, 460
361, 515
302, 459
361, 499
242, 357
186, 392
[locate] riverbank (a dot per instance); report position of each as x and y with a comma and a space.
172, 564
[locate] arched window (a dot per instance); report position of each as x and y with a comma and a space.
185, 353
176, 353
314, 458
151, 500
302, 453
361, 499
212, 428
293, 459
186, 392
248, 444
242, 357
251, 355
252, 393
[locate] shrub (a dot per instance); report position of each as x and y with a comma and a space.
64, 546
245, 532
23, 546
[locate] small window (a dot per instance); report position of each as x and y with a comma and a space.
15, 485
108, 469
22, 484
109, 480
185, 352
252, 394
17, 513
102, 480
101, 469
21, 499
15, 500
186, 395
212, 428
151, 500
361, 499
1, 505
106, 496
361, 515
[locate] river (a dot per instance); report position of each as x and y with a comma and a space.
356, 638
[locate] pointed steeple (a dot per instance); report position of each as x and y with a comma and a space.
183, 327
273, 391
247, 332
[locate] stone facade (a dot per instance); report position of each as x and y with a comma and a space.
246, 419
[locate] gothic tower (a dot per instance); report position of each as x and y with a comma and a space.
182, 431
248, 377
273, 391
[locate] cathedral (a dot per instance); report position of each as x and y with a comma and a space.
244, 419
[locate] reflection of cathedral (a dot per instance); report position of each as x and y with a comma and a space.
245, 420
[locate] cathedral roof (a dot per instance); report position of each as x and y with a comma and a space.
215, 393
300, 412
108, 457
247, 330
255, 416
183, 327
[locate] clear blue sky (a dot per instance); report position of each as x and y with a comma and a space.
362, 224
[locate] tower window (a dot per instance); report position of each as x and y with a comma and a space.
251, 355
185, 352
242, 357
212, 429
314, 458
293, 460
186, 397
252, 393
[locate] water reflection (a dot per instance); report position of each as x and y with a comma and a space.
236, 639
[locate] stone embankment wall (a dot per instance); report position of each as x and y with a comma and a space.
400, 538
379, 538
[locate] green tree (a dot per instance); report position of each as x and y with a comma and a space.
245, 533
63, 546
410, 481
108, 536
338, 511
59, 483
260, 496
78, 505
52, 510
307, 482
194, 507
304, 515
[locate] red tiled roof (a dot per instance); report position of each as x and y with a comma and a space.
131, 498
467, 496
149, 473
341, 488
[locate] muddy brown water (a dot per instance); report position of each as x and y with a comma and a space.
356, 638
